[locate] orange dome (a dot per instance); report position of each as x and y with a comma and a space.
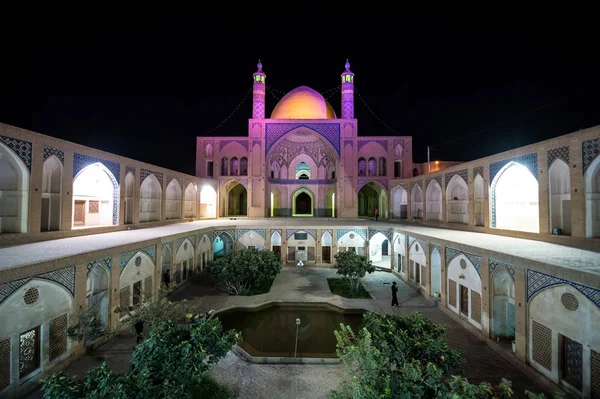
303, 103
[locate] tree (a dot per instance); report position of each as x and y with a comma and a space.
245, 270
353, 267
171, 363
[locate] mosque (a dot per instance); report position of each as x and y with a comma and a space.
509, 245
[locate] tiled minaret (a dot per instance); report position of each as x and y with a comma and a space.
348, 93
258, 93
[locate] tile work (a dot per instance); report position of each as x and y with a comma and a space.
177, 179
64, 277
422, 243
558, 153
103, 262
537, 281
50, 151
202, 238
130, 169
330, 231
478, 170
363, 182
240, 232
192, 239
464, 174
382, 142
217, 233
434, 246
495, 265
290, 232
475, 260
126, 256
438, 179
22, 148
330, 131
167, 251
145, 173
341, 232
386, 233
589, 151
276, 231
242, 142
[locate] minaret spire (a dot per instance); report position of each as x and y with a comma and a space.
347, 92
258, 92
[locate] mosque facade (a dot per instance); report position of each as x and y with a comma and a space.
507, 245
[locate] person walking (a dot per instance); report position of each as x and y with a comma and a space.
376, 214
394, 294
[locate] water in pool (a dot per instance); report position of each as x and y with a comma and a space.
271, 331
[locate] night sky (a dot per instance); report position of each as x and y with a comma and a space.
146, 91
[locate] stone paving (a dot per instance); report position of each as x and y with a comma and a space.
315, 381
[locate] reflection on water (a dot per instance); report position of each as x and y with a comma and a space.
271, 331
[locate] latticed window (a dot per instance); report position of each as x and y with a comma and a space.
148, 287
58, 337
541, 341
291, 254
4, 363
124, 299
423, 275
29, 351
452, 292
595, 374
311, 253
476, 306
137, 294
94, 207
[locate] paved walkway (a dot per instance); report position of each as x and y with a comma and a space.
258, 381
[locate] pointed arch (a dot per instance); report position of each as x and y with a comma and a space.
560, 197
208, 201
52, 172
478, 190
173, 200
399, 203
503, 304
464, 289
434, 201
129, 197
592, 199
416, 202
190, 201
14, 192
150, 199
436, 272
233, 199
398, 150
136, 280
457, 200
303, 202
95, 192
243, 166
223, 245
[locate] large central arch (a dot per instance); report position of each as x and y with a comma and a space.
372, 196
303, 202
233, 199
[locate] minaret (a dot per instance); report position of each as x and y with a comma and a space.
347, 93
258, 93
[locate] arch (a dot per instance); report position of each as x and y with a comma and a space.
203, 250
464, 289
398, 150
14, 192
97, 293
301, 248
252, 239
302, 171
223, 245
515, 199
173, 200
417, 268
302, 158
329, 203
372, 167
51, 194
94, 197
167, 260
457, 200
379, 250
129, 197
208, 150
276, 238
150, 199
400, 252
436, 272
326, 239
190, 195
184, 261
208, 202
275, 202
224, 166
233, 199
560, 196
136, 280
371, 196
362, 167
416, 202
275, 171
234, 170
303, 202
434, 201
399, 203
382, 167
503, 304
478, 197
352, 241
243, 166
592, 199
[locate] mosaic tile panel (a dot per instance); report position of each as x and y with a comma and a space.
438, 179
290, 232
64, 277
112, 169
200, 237
478, 170
243, 182
330, 231
462, 173
363, 182
529, 161
166, 248
382, 142
126, 256
414, 184
537, 281
330, 131
256, 142
495, 265
361, 232
589, 151
411, 240
398, 141
177, 179
346, 142
558, 153
192, 239
49, 151
386, 233
22, 148
240, 232
145, 173
452, 253
104, 262
242, 142
433, 246
402, 239
278, 231
217, 233
130, 169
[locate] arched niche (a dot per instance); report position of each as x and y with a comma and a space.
150, 199
592, 199
417, 268
464, 289
94, 203
276, 202
208, 202
400, 252
129, 197
302, 171
224, 166
398, 150
234, 166
560, 197
233, 199
208, 150
203, 251
436, 272
416, 202
372, 167
243, 166
51, 194
97, 293
223, 245
173, 200
167, 262
372, 196
184, 261
190, 201
14, 192
326, 247
515, 200
303, 202
136, 280
251, 239
399, 203
503, 304
379, 252
301, 245
352, 241
303, 164
434, 201
362, 167
478, 198
382, 166
276, 243
457, 201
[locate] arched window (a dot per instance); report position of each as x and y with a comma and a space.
302, 171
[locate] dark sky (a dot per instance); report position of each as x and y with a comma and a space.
146, 90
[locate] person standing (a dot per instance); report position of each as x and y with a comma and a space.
394, 294
376, 214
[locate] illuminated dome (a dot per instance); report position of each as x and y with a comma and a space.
303, 103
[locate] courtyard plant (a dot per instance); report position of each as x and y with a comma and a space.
353, 268
248, 272
172, 362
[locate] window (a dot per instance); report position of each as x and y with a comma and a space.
398, 169
209, 169
29, 352
333, 174
272, 174
94, 207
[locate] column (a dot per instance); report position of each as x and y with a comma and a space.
485, 296
543, 194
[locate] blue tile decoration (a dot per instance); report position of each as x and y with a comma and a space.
50, 151
64, 277
180, 241
530, 161
145, 173
452, 253
126, 256
386, 233
415, 184
402, 239
464, 174
240, 232
495, 265
346, 142
433, 246
361, 232
178, 179
382, 142
104, 262
363, 182
478, 170
242, 142
130, 169
589, 151
558, 153
411, 240
290, 232
438, 179
202, 236
398, 141
22, 148
330, 231
167, 248
537, 281
112, 169
277, 230
330, 131
217, 233
256, 142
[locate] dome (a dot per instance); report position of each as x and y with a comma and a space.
303, 103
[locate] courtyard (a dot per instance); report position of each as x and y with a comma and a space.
315, 381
